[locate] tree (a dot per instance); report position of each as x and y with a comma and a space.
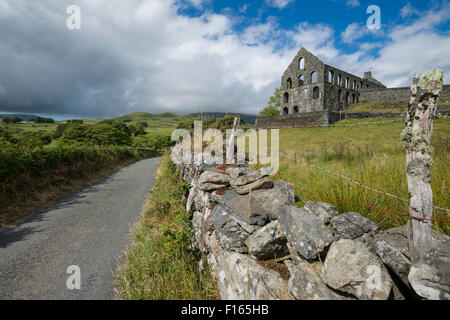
137, 129
16, 120
99, 134
269, 112
273, 105
6, 120
274, 101
43, 120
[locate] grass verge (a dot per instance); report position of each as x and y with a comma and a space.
35, 179
161, 264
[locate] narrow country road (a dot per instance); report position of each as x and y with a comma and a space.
89, 229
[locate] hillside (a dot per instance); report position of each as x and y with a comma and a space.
247, 118
19, 115
154, 120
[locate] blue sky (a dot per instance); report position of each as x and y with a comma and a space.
336, 14
185, 55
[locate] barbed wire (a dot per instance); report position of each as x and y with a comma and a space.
354, 181
278, 176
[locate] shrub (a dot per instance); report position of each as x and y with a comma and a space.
100, 134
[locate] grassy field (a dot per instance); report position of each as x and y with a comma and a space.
154, 121
160, 264
47, 127
369, 154
354, 121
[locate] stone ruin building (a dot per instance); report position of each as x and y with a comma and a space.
313, 93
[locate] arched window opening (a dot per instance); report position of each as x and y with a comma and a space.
347, 97
285, 110
316, 93
286, 97
367, 86
295, 109
289, 83
340, 95
330, 76
361, 84
339, 80
313, 77
301, 80
301, 63
353, 98
354, 85
346, 83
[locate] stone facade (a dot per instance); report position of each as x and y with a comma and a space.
309, 85
307, 119
315, 94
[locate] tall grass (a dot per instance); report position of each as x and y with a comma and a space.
161, 264
371, 155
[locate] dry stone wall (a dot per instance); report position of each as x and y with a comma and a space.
260, 245
393, 94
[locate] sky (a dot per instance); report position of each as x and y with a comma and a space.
183, 56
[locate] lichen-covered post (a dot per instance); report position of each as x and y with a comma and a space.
416, 139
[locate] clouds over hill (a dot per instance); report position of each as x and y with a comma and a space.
147, 55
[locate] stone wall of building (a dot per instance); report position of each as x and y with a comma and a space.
300, 90
296, 120
393, 94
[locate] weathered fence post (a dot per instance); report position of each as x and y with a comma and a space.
416, 139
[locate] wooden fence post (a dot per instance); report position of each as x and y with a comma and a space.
416, 139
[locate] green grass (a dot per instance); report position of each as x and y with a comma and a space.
352, 121
370, 154
154, 121
16, 128
161, 264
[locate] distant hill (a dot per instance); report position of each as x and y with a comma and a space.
19, 115
154, 120
248, 118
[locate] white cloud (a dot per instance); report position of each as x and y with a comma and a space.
198, 4
408, 10
352, 3
144, 56
355, 31
133, 55
409, 48
278, 3
243, 8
